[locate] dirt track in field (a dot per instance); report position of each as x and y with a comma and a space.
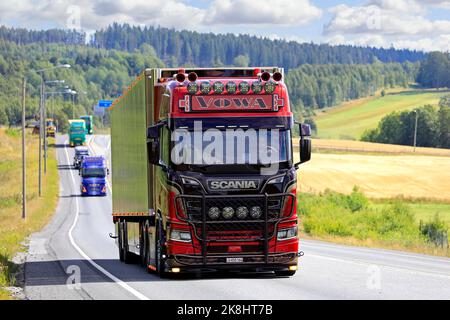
378, 176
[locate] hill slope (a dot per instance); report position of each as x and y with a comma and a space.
349, 120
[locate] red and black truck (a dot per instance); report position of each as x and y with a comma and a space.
203, 171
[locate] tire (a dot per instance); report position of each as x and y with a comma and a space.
158, 251
285, 273
120, 244
127, 258
143, 245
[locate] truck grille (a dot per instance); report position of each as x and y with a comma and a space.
224, 226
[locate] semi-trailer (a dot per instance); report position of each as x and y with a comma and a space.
203, 171
77, 132
89, 120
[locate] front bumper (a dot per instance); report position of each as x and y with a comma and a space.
254, 262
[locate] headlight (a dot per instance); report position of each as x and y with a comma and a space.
276, 180
286, 234
231, 87
255, 212
218, 87
228, 212
178, 235
242, 212
189, 181
205, 87
214, 213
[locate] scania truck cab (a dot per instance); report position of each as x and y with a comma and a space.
204, 172
80, 153
89, 123
77, 132
93, 172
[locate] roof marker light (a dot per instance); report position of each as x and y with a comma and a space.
265, 76
192, 87
244, 87
218, 87
231, 87
257, 87
270, 86
205, 87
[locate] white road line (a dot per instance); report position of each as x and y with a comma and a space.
383, 265
125, 286
378, 251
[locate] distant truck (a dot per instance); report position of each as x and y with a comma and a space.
89, 123
80, 153
50, 127
181, 202
93, 172
77, 132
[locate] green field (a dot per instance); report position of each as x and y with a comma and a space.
351, 119
423, 210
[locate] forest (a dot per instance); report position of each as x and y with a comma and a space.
433, 127
318, 75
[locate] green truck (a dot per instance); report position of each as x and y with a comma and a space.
77, 132
89, 123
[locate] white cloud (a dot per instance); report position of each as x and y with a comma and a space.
95, 14
262, 12
386, 23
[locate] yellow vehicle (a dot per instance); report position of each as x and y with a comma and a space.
50, 127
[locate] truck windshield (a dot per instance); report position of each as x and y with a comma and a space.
230, 150
76, 131
93, 172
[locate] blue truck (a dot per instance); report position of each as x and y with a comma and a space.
93, 172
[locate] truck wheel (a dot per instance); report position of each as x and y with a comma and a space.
143, 245
127, 258
285, 273
120, 240
158, 250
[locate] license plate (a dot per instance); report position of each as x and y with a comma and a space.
235, 260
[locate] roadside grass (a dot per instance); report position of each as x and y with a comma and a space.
349, 120
356, 220
14, 230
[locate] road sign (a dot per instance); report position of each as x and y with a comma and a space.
99, 111
105, 103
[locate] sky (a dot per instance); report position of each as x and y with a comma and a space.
413, 24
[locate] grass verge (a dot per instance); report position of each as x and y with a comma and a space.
355, 220
14, 230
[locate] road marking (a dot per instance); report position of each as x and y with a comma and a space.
376, 251
380, 264
125, 286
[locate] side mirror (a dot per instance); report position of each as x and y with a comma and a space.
304, 143
153, 144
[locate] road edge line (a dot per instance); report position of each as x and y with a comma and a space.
125, 286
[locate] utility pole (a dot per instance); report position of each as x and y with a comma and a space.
45, 132
40, 135
415, 130
24, 162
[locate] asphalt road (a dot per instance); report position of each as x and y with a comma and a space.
74, 258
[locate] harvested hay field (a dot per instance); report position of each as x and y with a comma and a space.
378, 176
